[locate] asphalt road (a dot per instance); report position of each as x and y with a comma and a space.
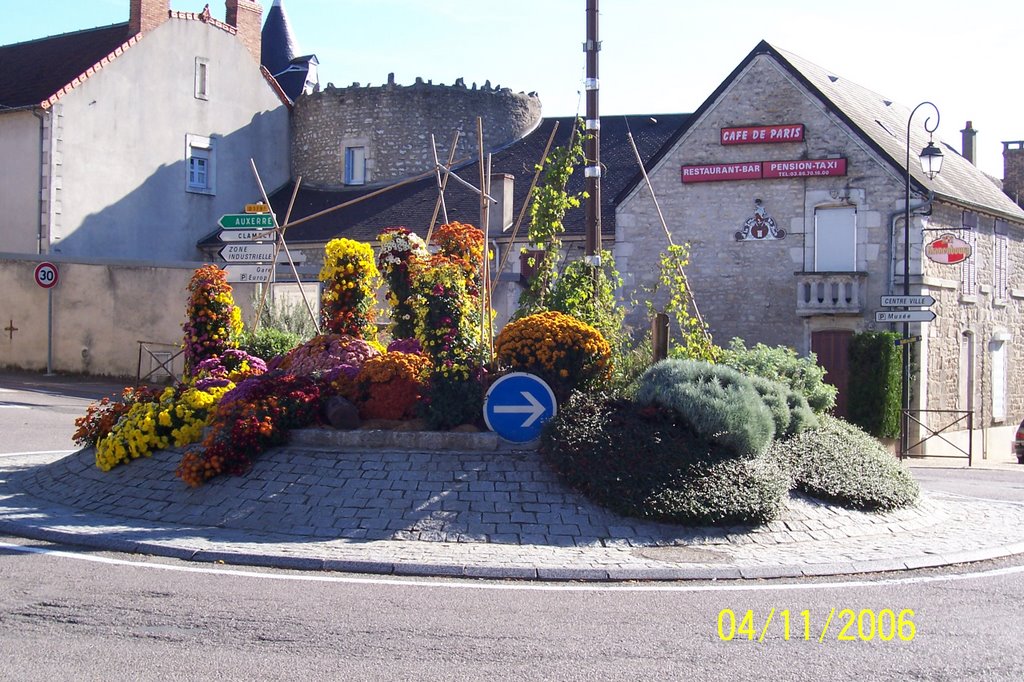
88, 615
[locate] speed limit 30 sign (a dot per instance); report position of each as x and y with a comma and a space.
46, 275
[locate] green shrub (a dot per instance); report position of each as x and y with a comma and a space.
645, 461
875, 390
782, 364
801, 416
716, 402
267, 342
840, 462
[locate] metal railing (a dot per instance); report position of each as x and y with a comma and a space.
961, 417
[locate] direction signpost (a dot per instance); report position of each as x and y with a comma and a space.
908, 301
246, 221
247, 235
248, 273
517, 405
248, 253
904, 316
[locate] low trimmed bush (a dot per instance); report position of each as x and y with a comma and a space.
716, 402
647, 462
802, 374
840, 462
267, 343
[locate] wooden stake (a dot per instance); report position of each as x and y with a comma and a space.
277, 250
444, 185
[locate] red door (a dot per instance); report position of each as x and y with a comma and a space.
833, 350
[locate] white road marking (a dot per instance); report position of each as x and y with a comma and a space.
37, 452
13, 407
525, 586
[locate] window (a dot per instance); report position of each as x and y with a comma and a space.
969, 268
1001, 259
998, 349
835, 240
200, 164
355, 165
202, 83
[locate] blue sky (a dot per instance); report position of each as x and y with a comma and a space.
658, 56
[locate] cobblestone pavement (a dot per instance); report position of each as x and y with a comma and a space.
498, 514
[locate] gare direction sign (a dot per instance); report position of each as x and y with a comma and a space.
248, 273
246, 221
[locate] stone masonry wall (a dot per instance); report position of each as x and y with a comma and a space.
394, 124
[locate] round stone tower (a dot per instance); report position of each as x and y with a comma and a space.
375, 135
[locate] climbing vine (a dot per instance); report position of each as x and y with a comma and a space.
694, 337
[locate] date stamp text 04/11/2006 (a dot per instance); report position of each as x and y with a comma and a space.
843, 625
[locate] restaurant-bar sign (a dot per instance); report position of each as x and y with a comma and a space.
763, 134
763, 170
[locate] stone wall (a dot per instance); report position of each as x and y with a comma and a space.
394, 124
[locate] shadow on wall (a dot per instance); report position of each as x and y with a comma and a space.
158, 218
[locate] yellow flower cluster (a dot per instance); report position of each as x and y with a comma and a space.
344, 258
175, 419
557, 347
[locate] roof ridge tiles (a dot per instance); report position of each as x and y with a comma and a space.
80, 78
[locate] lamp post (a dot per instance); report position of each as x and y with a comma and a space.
931, 163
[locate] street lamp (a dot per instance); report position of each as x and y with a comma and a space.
931, 163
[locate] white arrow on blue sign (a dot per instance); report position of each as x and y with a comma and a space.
517, 405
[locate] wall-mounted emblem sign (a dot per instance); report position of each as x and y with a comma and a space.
763, 170
948, 249
760, 226
763, 134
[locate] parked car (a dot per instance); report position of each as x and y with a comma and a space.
1018, 444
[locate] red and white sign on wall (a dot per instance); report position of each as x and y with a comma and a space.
722, 171
763, 170
804, 168
46, 275
793, 132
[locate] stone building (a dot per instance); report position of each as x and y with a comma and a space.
789, 184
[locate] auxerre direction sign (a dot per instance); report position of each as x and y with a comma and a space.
246, 221
247, 235
248, 273
908, 301
248, 253
904, 316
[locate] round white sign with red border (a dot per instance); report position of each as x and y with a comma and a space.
46, 275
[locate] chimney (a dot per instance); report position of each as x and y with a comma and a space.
145, 15
969, 144
1013, 171
500, 214
247, 18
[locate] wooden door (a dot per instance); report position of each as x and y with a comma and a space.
832, 347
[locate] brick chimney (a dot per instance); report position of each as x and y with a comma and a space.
145, 15
970, 143
1013, 171
247, 17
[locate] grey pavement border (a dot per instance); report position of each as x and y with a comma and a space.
383, 525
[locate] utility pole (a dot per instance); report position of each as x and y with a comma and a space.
592, 149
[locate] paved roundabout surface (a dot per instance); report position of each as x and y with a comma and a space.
497, 514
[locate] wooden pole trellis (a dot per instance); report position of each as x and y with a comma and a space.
443, 184
686, 282
277, 250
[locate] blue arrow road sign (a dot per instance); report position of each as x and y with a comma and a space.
517, 405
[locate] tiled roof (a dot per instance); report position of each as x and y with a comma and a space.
32, 72
884, 123
278, 45
412, 205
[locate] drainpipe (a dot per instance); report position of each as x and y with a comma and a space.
893, 218
40, 236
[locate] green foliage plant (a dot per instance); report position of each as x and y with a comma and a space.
802, 374
550, 203
842, 463
874, 394
692, 338
267, 343
645, 461
789, 409
716, 402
